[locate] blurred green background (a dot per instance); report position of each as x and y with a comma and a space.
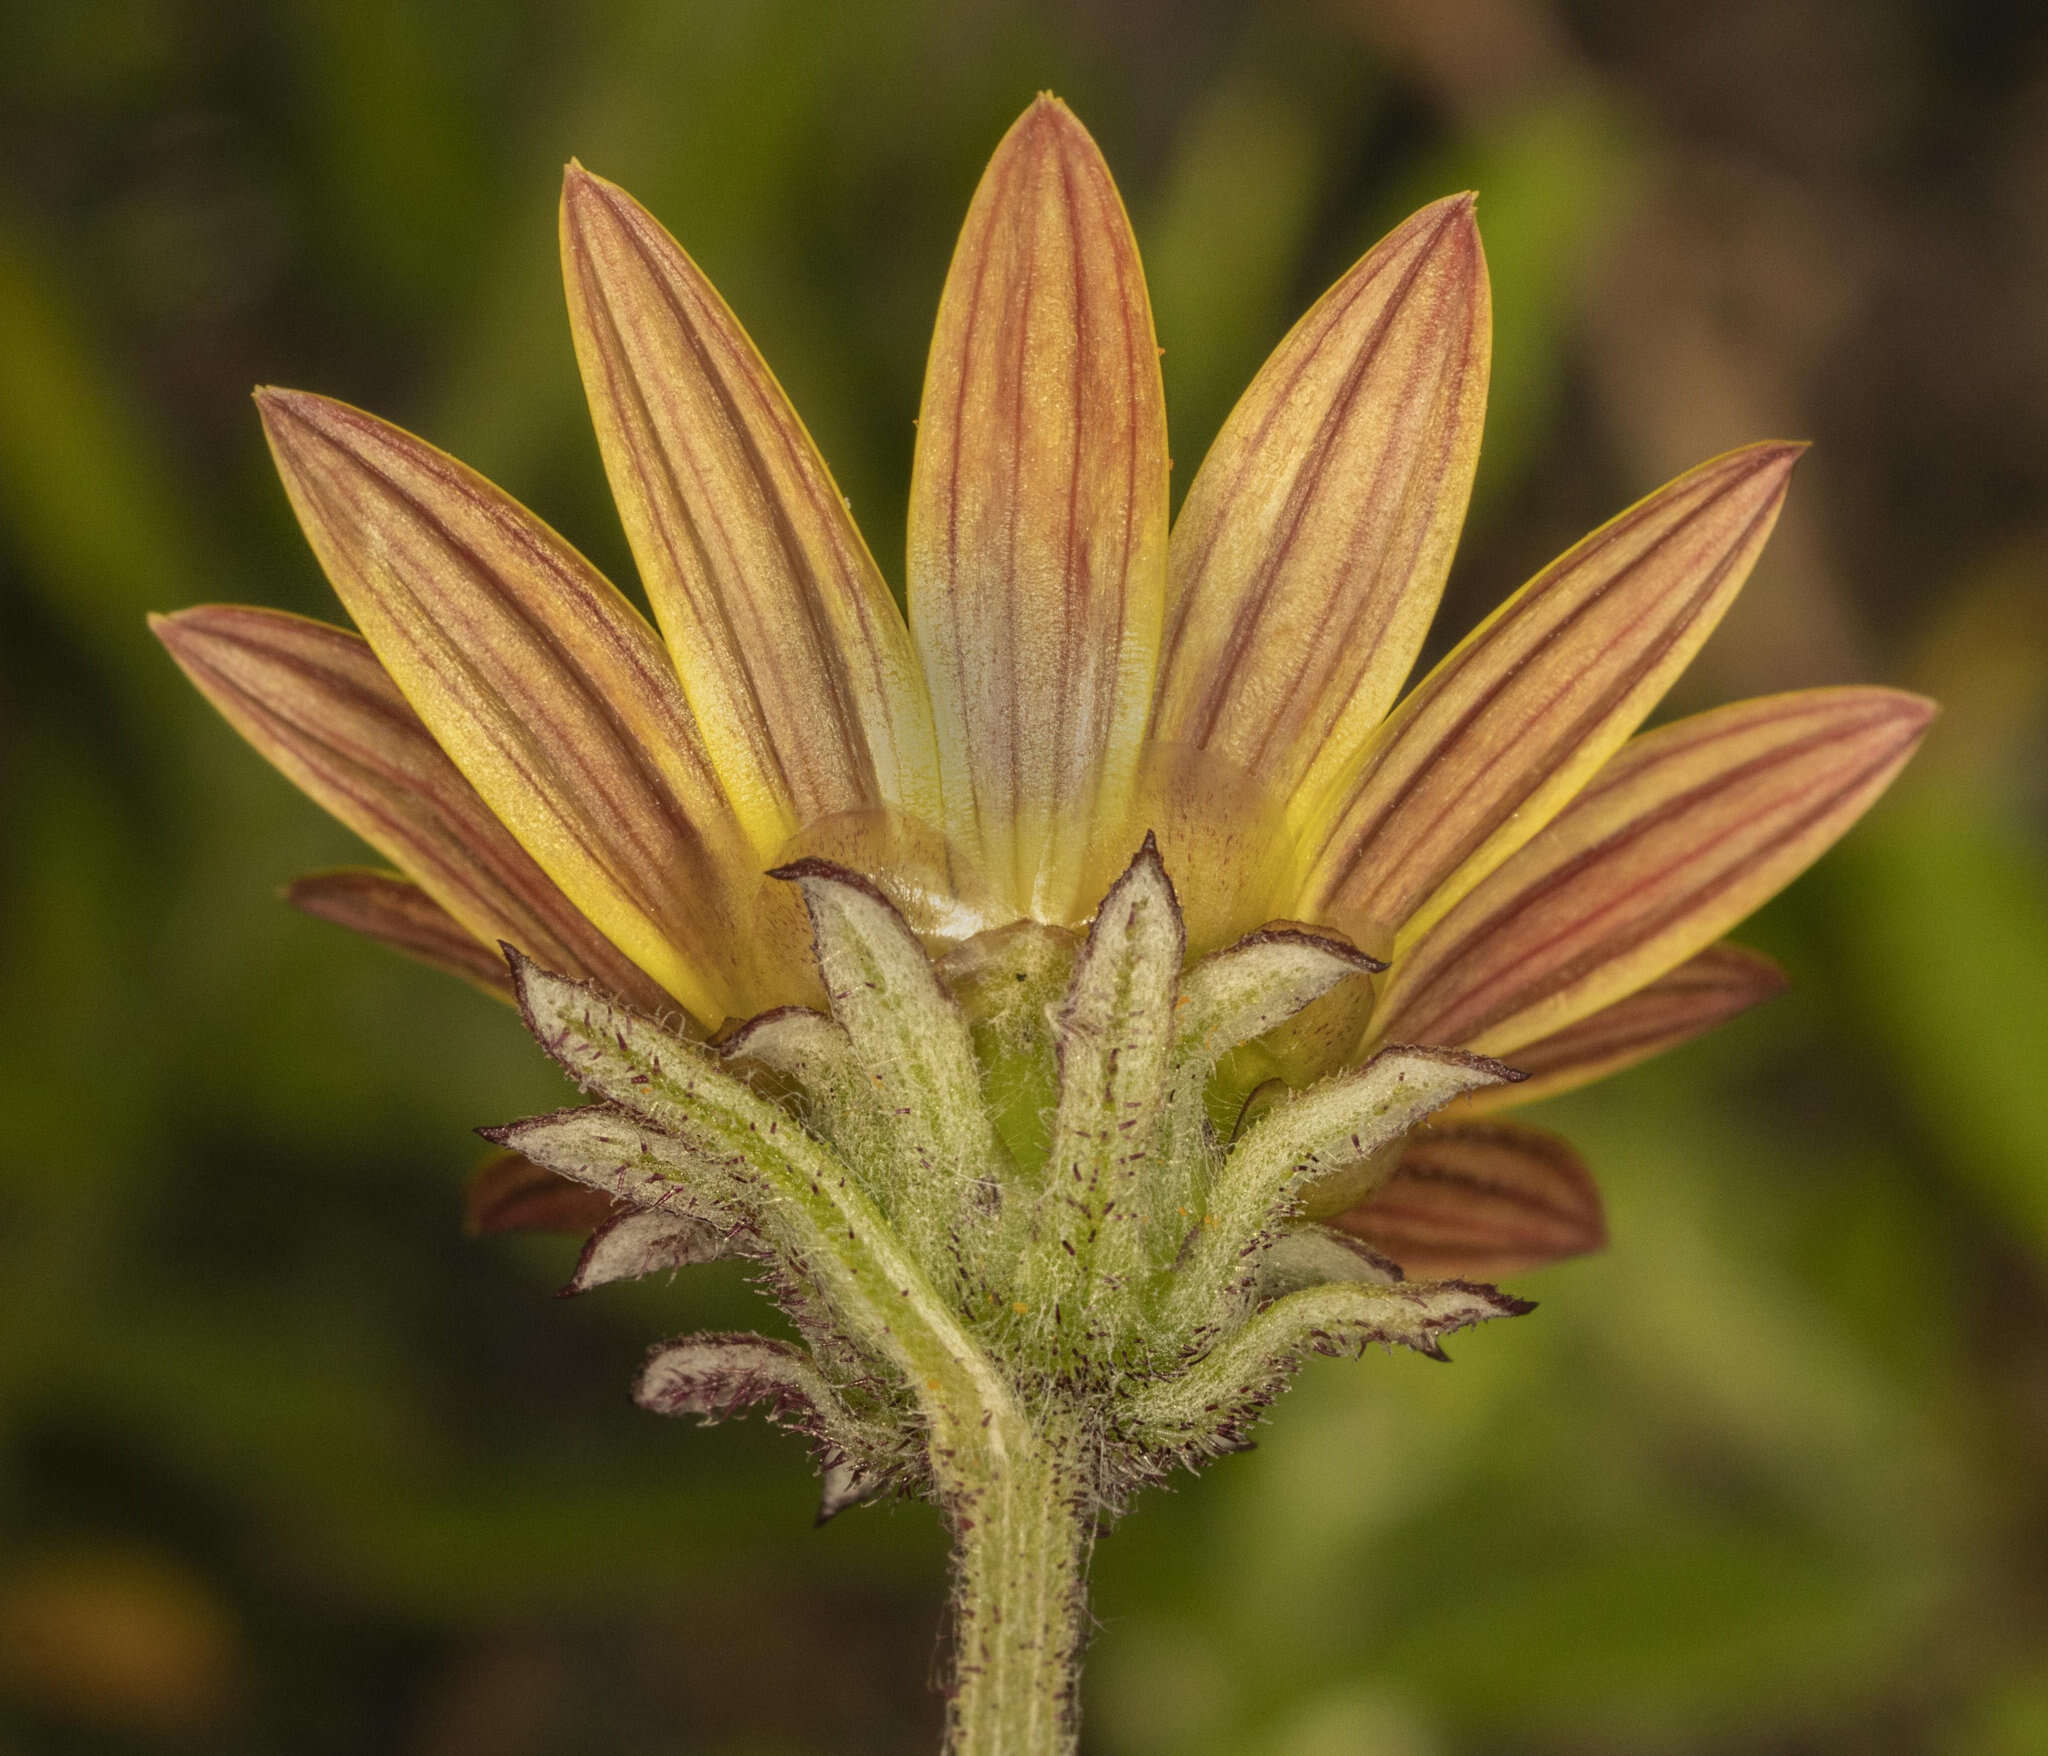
288, 1465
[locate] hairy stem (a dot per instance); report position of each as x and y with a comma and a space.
1022, 1514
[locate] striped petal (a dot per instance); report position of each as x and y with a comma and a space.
510, 1193
1313, 546
1500, 736
549, 692
314, 701
792, 654
1686, 831
1481, 1200
395, 911
1702, 993
1038, 518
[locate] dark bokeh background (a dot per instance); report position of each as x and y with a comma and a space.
287, 1465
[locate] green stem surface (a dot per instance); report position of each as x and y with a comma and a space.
1022, 1514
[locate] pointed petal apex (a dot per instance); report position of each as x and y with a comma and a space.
1309, 557
543, 685
1681, 835
792, 654
315, 702
1038, 517
1501, 735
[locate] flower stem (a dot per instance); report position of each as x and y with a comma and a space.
1022, 1512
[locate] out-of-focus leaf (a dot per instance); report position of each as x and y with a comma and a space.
395, 126
1967, 1018
1674, 1631
1223, 243
1554, 180
86, 488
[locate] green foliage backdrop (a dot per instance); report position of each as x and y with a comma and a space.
286, 1464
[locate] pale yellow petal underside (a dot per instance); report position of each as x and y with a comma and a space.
1501, 735
1683, 833
1700, 994
1038, 521
545, 687
314, 701
391, 909
793, 656
1313, 547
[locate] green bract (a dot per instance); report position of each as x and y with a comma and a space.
1024, 1323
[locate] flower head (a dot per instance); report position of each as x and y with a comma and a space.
1539, 880
1086, 1148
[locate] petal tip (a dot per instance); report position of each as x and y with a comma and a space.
583, 188
1904, 713
282, 411
1049, 125
186, 633
1921, 710
1772, 459
1763, 978
1453, 224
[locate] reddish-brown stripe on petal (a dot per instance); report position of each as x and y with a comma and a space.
1481, 1200
1038, 519
393, 910
1681, 835
510, 1193
1497, 739
1701, 994
793, 656
315, 702
544, 686
1309, 557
